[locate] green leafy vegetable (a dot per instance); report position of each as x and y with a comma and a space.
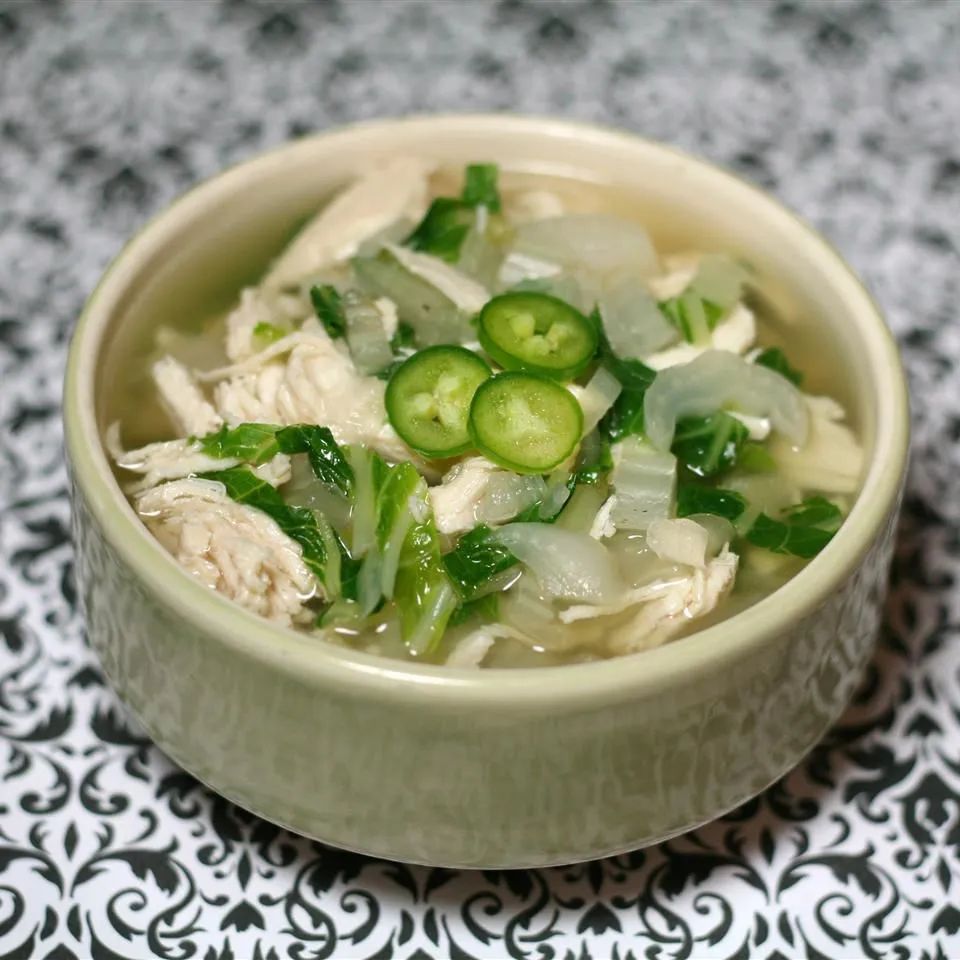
268, 333
298, 523
485, 608
595, 468
709, 445
423, 594
803, 530
625, 417
326, 457
480, 186
443, 229
448, 220
775, 359
254, 442
257, 443
404, 338
329, 309
475, 560
697, 498
692, 315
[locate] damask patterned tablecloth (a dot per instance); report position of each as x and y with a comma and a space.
848, 111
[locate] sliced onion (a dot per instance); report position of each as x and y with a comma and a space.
720, 531
455, 285
563, 287
598, 243
644, 481
366, 335
719, 280
597, 397
506, 494
679, 541
570, 566
632, 321
717, 379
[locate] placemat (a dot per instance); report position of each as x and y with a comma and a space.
847, 111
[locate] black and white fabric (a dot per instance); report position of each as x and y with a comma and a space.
848, 111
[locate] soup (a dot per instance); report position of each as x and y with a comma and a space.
484, 421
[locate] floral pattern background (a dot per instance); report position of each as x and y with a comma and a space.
847, 110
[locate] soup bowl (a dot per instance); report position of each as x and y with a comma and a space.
491, 767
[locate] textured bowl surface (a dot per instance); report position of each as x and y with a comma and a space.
478, 768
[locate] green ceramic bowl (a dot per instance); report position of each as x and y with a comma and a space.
493, 767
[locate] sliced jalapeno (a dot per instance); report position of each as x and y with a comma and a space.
525, 422
537, 333
428, 399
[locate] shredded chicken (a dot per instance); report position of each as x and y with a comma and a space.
662, 607
529, 205
831, 460
694, 596
184, 402
603, 525
234, 549
478, 491
392, 191
308, 378
472, 650
165, 460
255, 308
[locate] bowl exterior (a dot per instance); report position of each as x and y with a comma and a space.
467, 784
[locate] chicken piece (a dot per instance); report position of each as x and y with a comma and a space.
735, 334
462, 291
603, 525
831, 460
388, 316
166, 460
694, 596
478, 491
530, 205
231, 548
662, 607
255, 308
308, 378
389, 192
184, 402
473, 648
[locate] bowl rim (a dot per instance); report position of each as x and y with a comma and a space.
614, 680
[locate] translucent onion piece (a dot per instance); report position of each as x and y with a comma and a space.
366, 334
716, 380
456, 286
598, 243
597, 397
719, 280
507, 494
632, 321
644, 481
720, 531
680, 541
571, 566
